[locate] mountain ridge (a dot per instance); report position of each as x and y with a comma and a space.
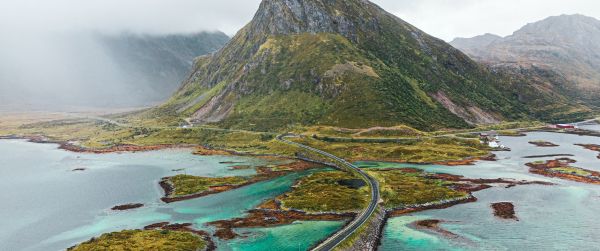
568, 45
341, 63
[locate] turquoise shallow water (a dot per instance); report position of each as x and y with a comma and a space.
278, 238
560, 217
46, 206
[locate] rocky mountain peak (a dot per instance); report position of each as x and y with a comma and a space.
565, 45
283, 17
561, 24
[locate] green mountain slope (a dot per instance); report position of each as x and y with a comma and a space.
343, 63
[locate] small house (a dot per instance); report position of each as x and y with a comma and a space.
566, 126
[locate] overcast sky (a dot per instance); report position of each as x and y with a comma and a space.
445, 19
48, 50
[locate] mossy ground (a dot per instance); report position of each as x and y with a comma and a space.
401, 188
163, 240
430, 150
572, 170
188, 184
423, 148
322, 192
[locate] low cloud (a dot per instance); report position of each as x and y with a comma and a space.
47, 53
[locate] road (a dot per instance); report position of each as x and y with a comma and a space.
337, 238
589, 121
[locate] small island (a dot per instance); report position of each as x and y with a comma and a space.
561, 168
336, 195
184, 187
145, 240
434, 227
542, 143
324, 195
504, 210
127, 207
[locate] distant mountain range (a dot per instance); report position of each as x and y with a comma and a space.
159, 63
562, 50
98, 70
349, 63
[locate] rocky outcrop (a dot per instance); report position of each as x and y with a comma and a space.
127, 207
300, 16
504, 210
369, 236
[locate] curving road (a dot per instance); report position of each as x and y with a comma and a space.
334, 240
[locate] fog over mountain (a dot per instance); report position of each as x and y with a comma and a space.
51, 55
93, 69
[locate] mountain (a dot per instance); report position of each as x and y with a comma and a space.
342, 63
159, 63
475, 45
90, 69
566, 46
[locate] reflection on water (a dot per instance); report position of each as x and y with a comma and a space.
47, 206
561, 217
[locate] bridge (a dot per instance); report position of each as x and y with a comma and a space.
339, 237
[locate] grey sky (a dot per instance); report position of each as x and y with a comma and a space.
442, 18
48, 51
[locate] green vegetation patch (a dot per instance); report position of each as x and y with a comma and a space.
400, 188
419, 151
187, 184
144, 240
572, 170
322, 192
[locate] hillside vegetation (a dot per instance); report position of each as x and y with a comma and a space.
350, 64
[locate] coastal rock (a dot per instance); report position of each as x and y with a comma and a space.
504, 210
541, 143
127, 207
561, 168
434, 226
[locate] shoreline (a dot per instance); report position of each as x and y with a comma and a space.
580, 132
70, 147
257, 218
468, 161
547, 169
591, 147
263, 174
261, 217
184, 227
203, 150
434, 227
